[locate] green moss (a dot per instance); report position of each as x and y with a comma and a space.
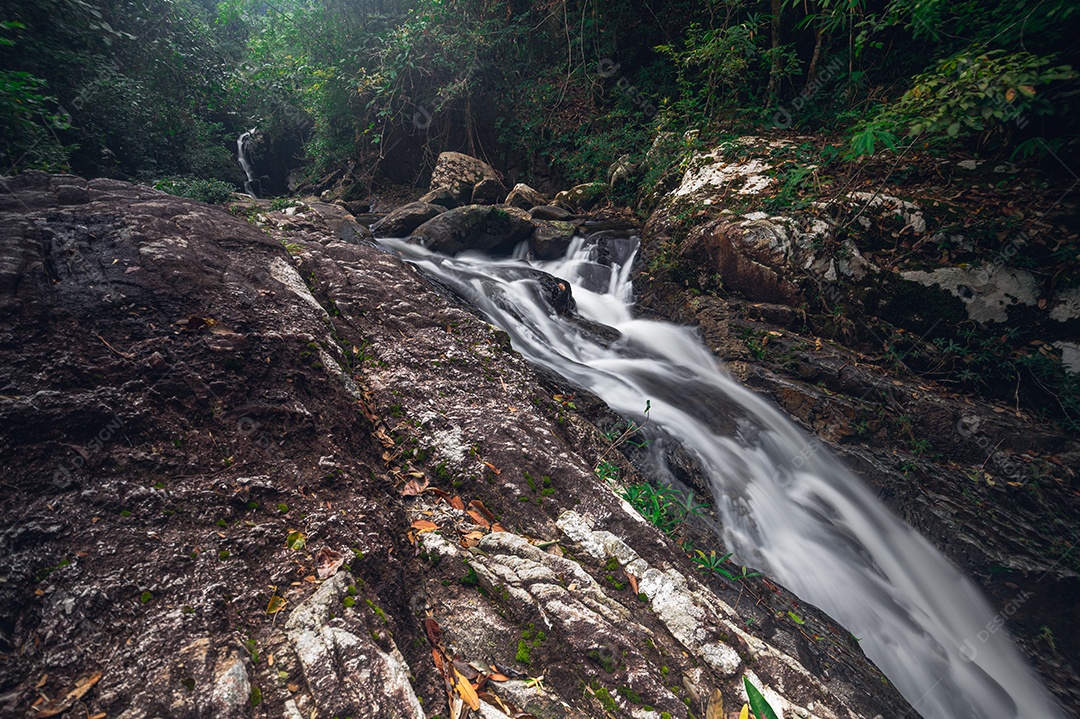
629, 695
605, 698
378, 611
524, 649
612, 564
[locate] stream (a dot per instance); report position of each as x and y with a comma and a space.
786, 505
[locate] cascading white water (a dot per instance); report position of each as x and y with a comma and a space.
245, 162
786, 505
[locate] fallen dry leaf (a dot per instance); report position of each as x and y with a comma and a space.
457, 503
465, 690
493, 468
478, 518
414, 488
498, 527
471, 539
327, 562
715, 709
633, 581
276, 604
61, 705
422, 525
479, 507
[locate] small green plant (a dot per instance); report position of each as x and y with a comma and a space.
213, 192
145, 597
665, 507
524, 650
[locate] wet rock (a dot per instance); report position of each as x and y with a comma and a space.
402, 221
550, 212
441, 196
713, 254
488, 192
524, 197
458, 173
581, 198
474, 227
551, 238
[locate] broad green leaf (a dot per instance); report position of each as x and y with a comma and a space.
761, 708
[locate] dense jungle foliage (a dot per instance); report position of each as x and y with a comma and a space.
551, 91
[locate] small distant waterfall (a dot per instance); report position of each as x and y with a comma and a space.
245, 162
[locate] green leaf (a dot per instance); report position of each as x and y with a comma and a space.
761, 708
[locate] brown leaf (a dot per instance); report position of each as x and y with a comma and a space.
434, 633
471, 539
414, 488
457, 503
276, 604
422, 525
493, 468
633, 581
498, 677
479, 507
327, 562
478, 518
498, 527
61, 705
440, 493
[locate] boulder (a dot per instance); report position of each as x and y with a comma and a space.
488, 192
580, 198
441, 196
483, 228
525, 197
549, 212
402, 221
715, 255
458, 173
551, 238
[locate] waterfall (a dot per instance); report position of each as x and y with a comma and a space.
787, 506
245, 162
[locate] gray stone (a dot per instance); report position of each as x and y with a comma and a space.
402, 221
488, 192
458, 174
483, 228
551, 238
524, 197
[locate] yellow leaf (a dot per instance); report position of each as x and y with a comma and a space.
745, 712
465, 690
715, 709
276, 604
1010, 94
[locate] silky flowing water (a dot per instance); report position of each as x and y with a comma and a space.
786, 505
245, 162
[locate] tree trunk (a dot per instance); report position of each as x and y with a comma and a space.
774, 73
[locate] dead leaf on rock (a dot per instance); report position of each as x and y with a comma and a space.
423, 525
327, 562
457, 503
478, 518
498, 528
276, 604
471, 539
465, 690
715, 709
633, 581
414, 488
479, 507
493, 468
61, 705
